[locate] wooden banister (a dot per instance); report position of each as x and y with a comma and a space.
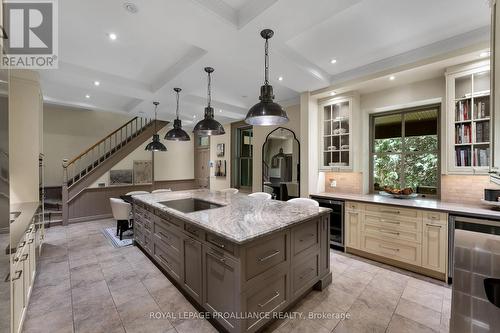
99, 142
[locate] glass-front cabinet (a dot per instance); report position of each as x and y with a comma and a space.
336, 134
468, 118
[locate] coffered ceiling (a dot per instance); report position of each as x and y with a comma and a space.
166, 44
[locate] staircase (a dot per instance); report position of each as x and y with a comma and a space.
83, 170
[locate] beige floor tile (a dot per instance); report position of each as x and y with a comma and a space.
58, 321
428, 287
85, 292
129, 293
419, 313
433, 301
195, 325
399, 324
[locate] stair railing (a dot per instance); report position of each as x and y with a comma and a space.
76, 168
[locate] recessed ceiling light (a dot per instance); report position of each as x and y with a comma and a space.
484, 54
392, 77
220, 110
333, 61
130, 7
112, 36
97, 83
87, 96
280, 78
194, 116
333, 93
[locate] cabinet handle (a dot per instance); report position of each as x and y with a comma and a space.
217, 243
216, 257
433, 225
388, 221
24, 257
163, 235
31, 241
192, 231
164, 259
276, 295
389, 248
390, 211
18, 275
389, 232
21, 245
261, 259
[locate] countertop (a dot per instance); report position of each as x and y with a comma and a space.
241, 219
22, 222
479, 210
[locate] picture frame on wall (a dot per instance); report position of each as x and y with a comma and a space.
121, 177
220, 149
143, 172
220, 168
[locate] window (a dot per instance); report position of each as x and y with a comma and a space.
242, 155
405, 150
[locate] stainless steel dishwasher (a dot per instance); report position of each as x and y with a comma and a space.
476, 275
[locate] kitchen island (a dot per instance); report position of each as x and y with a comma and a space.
241, 259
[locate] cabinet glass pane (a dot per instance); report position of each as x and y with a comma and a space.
327, 143
463, 86
327, 127
387, 133
327, 114
482, 131
481, 107
481, 155
482, 82
344, 142
386, 171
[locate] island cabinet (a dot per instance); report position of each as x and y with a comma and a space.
413, 239
238, 282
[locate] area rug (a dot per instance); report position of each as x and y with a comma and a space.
128, 237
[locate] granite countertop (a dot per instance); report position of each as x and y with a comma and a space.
241, 219
471, 210
21, 223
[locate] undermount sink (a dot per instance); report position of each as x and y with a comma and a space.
14, 216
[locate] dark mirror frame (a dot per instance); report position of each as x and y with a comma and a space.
298, 165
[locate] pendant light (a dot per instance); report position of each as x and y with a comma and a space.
208, 125
266, 112
155, 144
177, 133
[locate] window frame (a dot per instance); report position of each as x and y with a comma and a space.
403, 112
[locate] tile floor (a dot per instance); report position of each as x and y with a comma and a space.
85, 285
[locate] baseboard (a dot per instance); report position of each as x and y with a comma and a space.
90, 218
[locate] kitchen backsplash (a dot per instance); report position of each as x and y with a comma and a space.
347, 182
464, 189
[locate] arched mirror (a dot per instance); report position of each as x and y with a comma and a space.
281, 164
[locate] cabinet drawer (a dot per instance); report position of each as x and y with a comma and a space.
167, 237
304, 272
139, 235
436, 217
267, 299
265, 254
396, 233
167, 261
305, 236
194, 231
148, 241
168, 219
353, 205
220, 243
406, 252
393, 223
393, 211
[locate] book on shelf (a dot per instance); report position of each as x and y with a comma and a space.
462, 110
463, 133
481, 157
462, 156
483, 131
481, 109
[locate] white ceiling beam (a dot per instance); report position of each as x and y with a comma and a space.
251, 10
220, 9
79, 105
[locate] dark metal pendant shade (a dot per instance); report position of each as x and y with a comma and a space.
155, 144
208, 125
266, 112
177, 133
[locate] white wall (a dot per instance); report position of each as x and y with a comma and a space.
178, 162
25, 135
219, 183
67, 132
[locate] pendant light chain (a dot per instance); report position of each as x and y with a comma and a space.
156, 108
266, 63
177, 109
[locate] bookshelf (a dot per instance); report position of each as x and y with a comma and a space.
469, 119
336, 134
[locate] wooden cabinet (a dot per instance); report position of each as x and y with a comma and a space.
417, 239
221, 285
434, 245
17, 295
192, 277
